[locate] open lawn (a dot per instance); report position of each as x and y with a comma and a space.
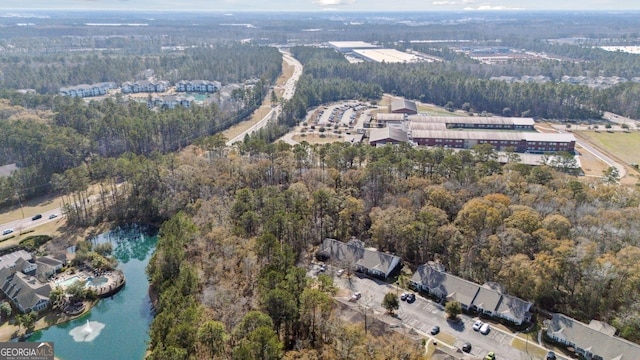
624, 146
529, 347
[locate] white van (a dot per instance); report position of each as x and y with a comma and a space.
484, 330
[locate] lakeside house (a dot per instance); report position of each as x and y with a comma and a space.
24, 291
25, 282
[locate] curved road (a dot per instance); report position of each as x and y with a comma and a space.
289, 90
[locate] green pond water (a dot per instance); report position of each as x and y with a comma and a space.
117, 327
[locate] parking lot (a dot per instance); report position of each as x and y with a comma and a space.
424, 314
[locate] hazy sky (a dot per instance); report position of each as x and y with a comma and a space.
311, 5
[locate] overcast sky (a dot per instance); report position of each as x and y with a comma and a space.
317, 5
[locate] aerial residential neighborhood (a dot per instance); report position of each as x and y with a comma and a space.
320, 180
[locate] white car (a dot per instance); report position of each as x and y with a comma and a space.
7, 231
484, 330
477, 325
340, 272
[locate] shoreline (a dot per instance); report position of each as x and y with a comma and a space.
50, 318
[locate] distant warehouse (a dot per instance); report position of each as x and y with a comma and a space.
522, 142
349, 46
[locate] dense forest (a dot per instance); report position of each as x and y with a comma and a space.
462, 85
228, 63
245, 219
47, 135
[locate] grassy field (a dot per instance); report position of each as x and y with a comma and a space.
236, 130
624, 146
529, 347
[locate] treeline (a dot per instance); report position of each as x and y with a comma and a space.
80, 134
567, 244
225, 62
442, 84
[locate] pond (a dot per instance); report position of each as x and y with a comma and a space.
117, 327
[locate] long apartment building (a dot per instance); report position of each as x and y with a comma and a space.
465, 132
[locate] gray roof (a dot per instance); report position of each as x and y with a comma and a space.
388, 133
471, 294
400, 104
487, 298
49, 261
390, 117
493, 120
589, 338
452, 287
24, 290
427, 126
11, 258
491, 135
513, 307
355, 253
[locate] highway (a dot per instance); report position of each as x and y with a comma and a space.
289, 91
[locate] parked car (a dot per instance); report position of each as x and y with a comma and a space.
411, 298
403, 297
340, 272
53, 216
490, 356
466, 347
36, 217
7, 231
484, 330
323, 268
435, 330
551, 356
477, 325
356, 296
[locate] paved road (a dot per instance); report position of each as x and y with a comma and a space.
289, 90
595, 152
25, 224
424, 314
